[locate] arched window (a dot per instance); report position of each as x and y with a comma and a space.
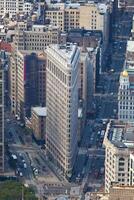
121, 159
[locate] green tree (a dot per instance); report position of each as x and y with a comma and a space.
13, 190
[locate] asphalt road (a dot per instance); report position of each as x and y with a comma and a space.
106, 103
91, 153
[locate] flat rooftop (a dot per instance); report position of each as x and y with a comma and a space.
39, 54
121, 134
40, 111
65, 51
91, 38
130, 45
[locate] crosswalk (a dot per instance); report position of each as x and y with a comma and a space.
91, 151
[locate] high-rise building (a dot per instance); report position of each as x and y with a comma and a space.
120, 192
62, 105
125, 96
11, 7
96, 17
131, 170
129, 62
27, 82
36, 39
83, 77
126, 89
72, 16
132, 30
119, 143
91, 16
1, 120
27, 7
117, 192
56, 15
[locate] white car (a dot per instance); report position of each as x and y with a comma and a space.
21, 175
36, 172
25, 165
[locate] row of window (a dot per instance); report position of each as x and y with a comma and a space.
127, 107
126, 116
126, 103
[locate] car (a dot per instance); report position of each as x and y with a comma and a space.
25, 165
98, 133
22, 125
21, 174
17, 171
14, 157
36, 172
114, 110
112, 70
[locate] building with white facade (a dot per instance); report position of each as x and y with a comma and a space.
129, 62
95, 17
126, 96
62, 105
119, 143
36, 39
91, 16
132, 30
11, 7
27, 7
117, 192
126, 87
131, 171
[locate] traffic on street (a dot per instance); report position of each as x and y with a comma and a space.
27, 160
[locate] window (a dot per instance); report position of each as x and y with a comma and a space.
121, 164
121, 159
121, 169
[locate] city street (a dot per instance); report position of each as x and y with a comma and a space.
31, 163
91, 159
